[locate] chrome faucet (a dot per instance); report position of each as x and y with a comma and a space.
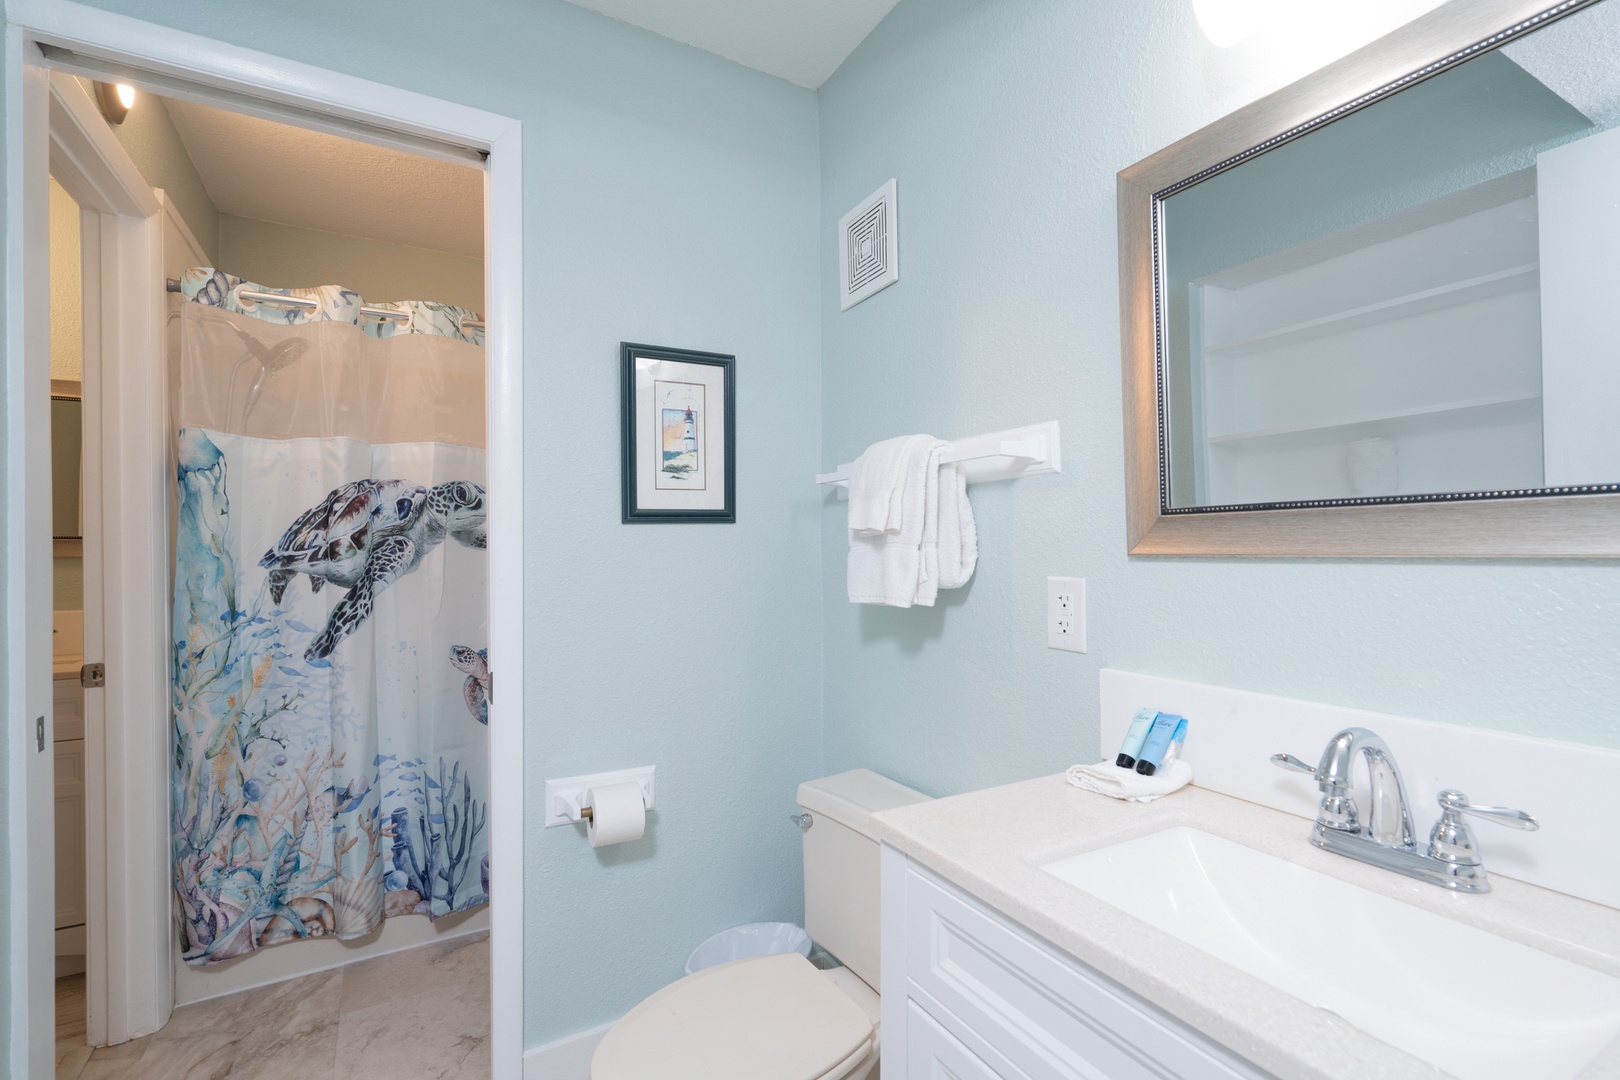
1452, 859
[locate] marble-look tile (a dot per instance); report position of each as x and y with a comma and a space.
72, 1049
281, 1012
285, 1030
223, 1055
423, 1036
456, 967
422, 1013
116, 1062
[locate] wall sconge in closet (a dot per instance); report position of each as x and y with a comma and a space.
115, 101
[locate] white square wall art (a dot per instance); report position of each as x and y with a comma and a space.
869, 247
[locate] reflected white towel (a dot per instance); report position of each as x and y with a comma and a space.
1106, 778
877, 483
891, 567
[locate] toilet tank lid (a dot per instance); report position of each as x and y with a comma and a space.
851, 798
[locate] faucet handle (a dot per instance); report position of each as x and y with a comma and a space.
1292, 763
1452, 841
1455, 802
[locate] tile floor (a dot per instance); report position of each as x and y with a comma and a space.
422, 1013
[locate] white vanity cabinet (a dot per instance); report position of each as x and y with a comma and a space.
969, 994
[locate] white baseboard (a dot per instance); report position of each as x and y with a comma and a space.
567, 1058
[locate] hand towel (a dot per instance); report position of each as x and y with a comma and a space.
958, 536
1106, 778
877, 483
889, 567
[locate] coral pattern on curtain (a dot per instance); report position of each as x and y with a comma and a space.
331, 657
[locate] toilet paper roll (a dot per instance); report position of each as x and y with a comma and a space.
617, 814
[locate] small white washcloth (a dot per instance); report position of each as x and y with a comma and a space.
877, 484
1106, 778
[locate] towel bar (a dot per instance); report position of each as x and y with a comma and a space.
1000, 455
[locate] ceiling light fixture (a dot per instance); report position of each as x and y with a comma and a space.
115, 101
1228, 22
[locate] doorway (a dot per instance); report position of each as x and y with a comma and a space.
133, 919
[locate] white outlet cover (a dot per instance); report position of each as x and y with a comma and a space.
1066, 614
869, 246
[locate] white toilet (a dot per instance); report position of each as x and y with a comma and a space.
779, 1017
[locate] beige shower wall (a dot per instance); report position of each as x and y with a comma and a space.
149, 138
67, 327
284, 256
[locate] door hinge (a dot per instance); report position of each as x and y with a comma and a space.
92, 676
489, 691
39, 733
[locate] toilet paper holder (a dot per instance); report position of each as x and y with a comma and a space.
565, 798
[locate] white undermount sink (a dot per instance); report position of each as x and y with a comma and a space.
1474, 1004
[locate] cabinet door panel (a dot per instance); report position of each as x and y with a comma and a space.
70, 822
67, 710
1049, 1015
932, 1053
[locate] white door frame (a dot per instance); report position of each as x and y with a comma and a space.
240, 76
125, 477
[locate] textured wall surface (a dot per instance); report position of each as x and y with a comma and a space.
283, 256
1004, 125
670, 197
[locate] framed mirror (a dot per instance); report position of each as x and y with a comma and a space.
1369, 315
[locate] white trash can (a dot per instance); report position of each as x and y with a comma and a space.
746, 942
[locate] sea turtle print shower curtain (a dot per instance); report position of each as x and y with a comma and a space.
331, 656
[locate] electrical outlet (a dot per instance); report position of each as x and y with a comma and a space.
1066, 614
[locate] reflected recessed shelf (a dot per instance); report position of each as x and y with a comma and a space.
1393, 414
1453, 293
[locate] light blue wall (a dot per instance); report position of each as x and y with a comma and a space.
671, 197
1005, 124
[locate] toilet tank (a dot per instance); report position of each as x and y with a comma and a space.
841, 863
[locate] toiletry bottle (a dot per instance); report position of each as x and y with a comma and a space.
1158, 741
1173, 751
1135, 736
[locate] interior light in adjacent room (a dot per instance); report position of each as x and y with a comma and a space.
1227, 22
115, 101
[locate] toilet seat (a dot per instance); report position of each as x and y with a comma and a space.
768, 1018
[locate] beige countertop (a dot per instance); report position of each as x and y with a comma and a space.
992, 844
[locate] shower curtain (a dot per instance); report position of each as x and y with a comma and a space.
331, 678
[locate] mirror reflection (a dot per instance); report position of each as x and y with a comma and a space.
1414, 299
66, 425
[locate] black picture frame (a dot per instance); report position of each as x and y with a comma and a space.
637, 435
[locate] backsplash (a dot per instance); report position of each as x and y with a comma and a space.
1233, 733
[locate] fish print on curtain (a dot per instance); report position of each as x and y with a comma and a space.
331, 676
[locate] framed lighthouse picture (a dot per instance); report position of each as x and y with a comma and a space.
679, 423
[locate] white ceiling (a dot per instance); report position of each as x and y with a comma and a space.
802, 41
256, 168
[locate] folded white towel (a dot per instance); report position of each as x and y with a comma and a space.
890, 567
877, 482
900, 557
1106, 778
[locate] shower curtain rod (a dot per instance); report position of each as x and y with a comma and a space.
173, 285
